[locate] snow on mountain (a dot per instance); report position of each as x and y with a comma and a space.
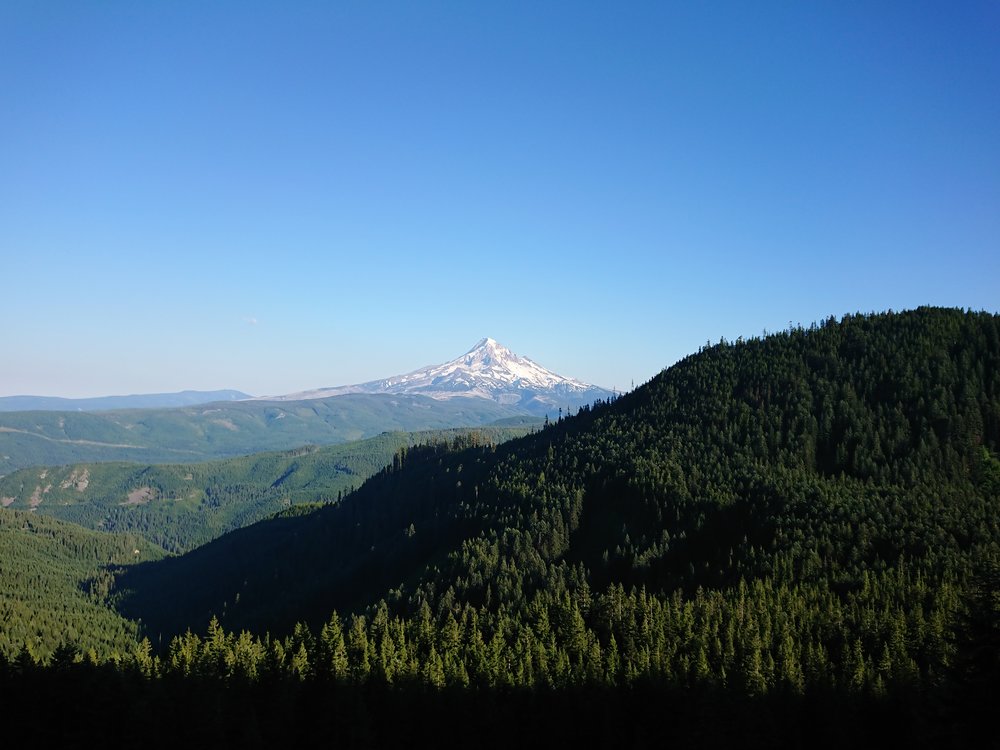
488, 370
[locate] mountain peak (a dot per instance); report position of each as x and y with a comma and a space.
489, 352
487, 343
488, 370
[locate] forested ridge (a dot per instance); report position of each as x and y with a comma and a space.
802, 525
225, 428
181, 506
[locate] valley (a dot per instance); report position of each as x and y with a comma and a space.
182, 506
56, 577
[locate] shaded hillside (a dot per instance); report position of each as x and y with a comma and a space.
55, 576
198, 433
800, 510
181, 506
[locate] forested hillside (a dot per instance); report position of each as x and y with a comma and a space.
232, 428
803, 525
55, 579
792, 512
181, 506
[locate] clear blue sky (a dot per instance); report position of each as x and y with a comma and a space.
278, 196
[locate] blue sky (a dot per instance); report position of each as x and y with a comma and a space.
278, 196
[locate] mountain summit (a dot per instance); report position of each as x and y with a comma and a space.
488, 370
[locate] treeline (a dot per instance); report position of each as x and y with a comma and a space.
762, 665
756, 638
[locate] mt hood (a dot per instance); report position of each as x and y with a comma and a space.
488, 370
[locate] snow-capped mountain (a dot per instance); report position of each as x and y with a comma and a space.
488, 370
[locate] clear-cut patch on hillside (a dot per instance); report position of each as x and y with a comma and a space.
140, 496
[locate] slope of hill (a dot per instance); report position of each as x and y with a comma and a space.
54, 577
199, 433
489, 371
797, 512
103, 403
783, 542
181, 506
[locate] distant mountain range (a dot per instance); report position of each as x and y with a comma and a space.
488, 370
103, 403
486, 385
221, 429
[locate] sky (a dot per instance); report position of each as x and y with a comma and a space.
281, 196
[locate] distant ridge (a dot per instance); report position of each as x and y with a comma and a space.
102, 403
225, 428
488, 370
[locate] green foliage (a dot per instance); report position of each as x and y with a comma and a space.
976, 665
808, 519
755, 638
798, 531
181, 506
55, 577
799, 512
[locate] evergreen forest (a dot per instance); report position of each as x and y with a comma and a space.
182, 506
792, 540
